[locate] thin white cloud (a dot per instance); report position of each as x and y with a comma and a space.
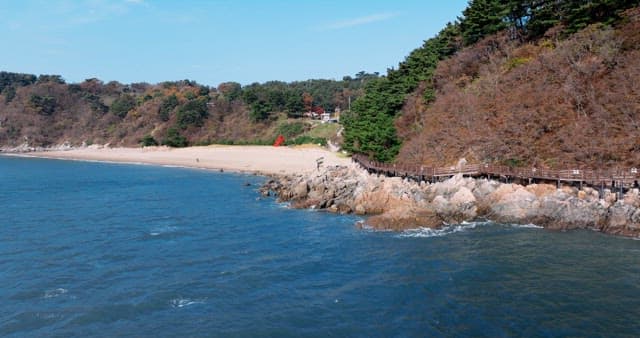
92, 11
359, 21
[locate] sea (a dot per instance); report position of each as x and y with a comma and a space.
119, 250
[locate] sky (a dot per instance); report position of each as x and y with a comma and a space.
214, 41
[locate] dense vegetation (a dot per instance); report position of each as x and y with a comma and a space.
44, 111
302, 96
377, 122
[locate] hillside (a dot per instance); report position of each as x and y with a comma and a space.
44, 111
552, 103
520, 83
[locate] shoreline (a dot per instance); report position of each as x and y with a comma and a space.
261, 160
27, 155
397, 204
391, 203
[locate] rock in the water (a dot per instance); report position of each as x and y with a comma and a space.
405, 218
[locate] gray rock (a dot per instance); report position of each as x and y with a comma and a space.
464, 203
301, 190
571, 213
514, 204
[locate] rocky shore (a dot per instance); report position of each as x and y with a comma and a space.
27, 148
399, 204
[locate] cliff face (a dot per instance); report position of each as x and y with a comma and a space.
554, 102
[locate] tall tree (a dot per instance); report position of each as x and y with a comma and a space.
369, 126
482, 18
307, 101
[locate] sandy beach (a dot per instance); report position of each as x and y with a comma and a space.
253, 159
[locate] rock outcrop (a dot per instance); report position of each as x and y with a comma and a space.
27, 148
398, 204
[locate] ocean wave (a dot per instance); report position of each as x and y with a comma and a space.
526, 226
54, 293
446, 230
48, 315
455, 228
183, 302
362, 225
163, 230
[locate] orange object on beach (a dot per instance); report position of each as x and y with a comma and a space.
279, 141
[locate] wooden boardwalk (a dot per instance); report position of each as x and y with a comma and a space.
620, 179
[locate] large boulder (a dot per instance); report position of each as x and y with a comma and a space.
463, 203
373, 202
404, 218
484, 188
609, 198
541, 190
559, 212
449, 187
300, 190
632, 198
512, 203
624, 219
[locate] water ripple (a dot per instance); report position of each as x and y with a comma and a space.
91, 249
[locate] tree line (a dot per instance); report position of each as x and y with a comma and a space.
296, 98
179, 113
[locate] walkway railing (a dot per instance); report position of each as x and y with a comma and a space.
611, 178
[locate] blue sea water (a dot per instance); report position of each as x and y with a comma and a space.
97, 249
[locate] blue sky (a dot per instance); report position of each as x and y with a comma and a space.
214, 41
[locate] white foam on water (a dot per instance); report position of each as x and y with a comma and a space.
163, 230
48, 315
476, 223
454, 228
367, 228
526, 226
362, 225
54, 293
446, 230
183, 302
284, 205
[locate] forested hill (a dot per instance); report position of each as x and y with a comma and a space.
519, 82
42, 111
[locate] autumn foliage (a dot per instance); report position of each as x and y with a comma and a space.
44, 110
553, 102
